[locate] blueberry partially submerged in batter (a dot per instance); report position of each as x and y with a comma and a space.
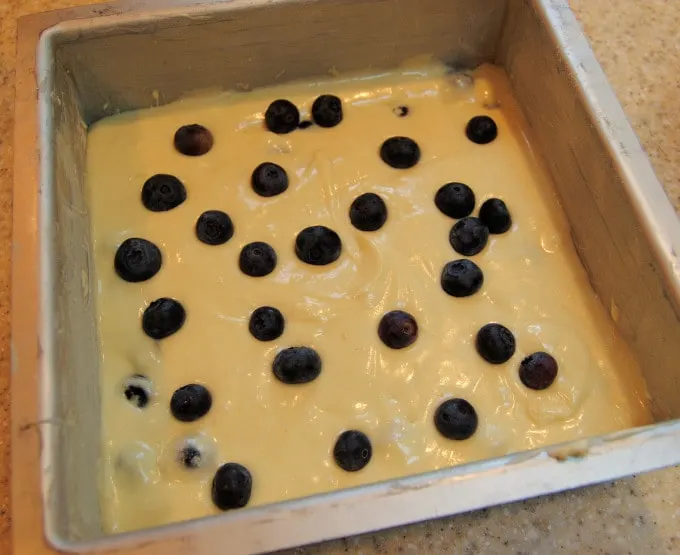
368, 212
456, 200
257, 259
495, 215
327, 110
352, 450
538, 370
481, 130
137, 260
281, 117
231, 486
456, 419
269, 179
190, 402
400, 152
163, 317
193, 140
318, 245
398, 329
190, 456
214, 227
297, 365
266, 323
137, 390
495, 343
461, 278
401, 111
163, 192
469, 236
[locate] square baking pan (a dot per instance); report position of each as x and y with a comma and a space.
76, 66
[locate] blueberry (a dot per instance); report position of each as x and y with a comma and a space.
538, 370
456, 200
297, 365
163, 192
495, 215
190, 402
318, 245
193, 140
281, 117
352, 450
327, 110
456, 419
137, 260
495, 343
162, 318
266, 323
231, 486
398, 329
214, 227
401, 111
468, 236
190, 456
481, 130
269, 179
461, 278
368, 212
137, 390
305, 124
257, 259
400, 152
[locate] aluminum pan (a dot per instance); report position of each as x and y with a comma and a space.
351, 511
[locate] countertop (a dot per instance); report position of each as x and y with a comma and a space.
634, 42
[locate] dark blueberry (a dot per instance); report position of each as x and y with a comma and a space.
398, 329
137, 390
495, 343
368, 212
214, 227
468, 236
231, 486
481, 130
327, 110
190, 456
297, 365
269, 179
281, 117
456, 419
162, 318
352, 450
193, 140
318, 245
137, 260
266, 323
163, 192
257, 259
400, 152
538, 370
461, 278
495, 215
190, 402
401, 111
305, 124
456, 200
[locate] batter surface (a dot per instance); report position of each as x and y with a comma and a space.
284, 434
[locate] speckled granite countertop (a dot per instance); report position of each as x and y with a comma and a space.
634, 42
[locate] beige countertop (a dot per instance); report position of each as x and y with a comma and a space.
634, 42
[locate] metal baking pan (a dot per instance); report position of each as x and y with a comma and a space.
76, 66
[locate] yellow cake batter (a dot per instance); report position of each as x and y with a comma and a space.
284, 434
